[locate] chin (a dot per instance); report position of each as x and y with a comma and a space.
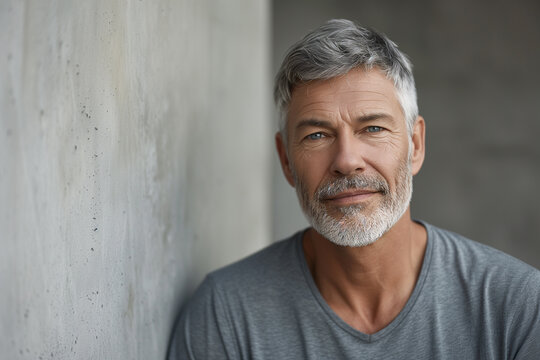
355, 228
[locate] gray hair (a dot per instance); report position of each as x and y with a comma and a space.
334, 49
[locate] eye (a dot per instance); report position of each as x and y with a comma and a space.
374, 129
315, 136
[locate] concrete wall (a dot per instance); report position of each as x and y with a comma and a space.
134, 158
477, 73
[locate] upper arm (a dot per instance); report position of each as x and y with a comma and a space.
526, 322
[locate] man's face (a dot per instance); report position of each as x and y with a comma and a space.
348, 154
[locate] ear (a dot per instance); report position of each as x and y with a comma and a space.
284, 159
419, 145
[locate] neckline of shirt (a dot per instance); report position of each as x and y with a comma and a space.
402, 314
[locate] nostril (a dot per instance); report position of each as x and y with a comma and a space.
348, 163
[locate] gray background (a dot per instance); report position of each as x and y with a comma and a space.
477, 73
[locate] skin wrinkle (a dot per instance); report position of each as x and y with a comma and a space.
308, 125
322, 57
366, 286
307, 89
343, 95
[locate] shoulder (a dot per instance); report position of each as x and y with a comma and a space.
487, 291
259, 278
211, 324
502, 283
261, 268
476, 260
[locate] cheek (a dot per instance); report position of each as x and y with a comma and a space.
394, 151
388, 159
310, 168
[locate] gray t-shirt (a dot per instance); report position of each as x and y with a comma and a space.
470, 302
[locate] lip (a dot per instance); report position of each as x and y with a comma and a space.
350, 197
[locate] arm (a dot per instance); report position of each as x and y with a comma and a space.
526, 323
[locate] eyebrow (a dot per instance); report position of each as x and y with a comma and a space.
328, 124
313, 123
375, 116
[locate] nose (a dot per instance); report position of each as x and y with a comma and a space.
348, 157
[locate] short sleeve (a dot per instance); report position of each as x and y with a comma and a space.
526, 323
203, 330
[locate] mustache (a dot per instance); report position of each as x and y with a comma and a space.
353, 182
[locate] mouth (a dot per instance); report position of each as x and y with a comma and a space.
350, 197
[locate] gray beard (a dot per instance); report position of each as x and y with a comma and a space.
354, 226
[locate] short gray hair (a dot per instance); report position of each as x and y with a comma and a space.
334, 49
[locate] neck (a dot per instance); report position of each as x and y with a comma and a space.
368, 286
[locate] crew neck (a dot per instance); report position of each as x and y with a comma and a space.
409, 305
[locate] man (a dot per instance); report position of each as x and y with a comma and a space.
365, 281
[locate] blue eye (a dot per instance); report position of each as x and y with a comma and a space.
315, 136
373, 129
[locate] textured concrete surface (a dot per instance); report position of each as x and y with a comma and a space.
477, 73
134, 158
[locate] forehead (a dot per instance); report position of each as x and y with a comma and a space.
358, 93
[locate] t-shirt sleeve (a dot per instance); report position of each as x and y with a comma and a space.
526, 323
204, 330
